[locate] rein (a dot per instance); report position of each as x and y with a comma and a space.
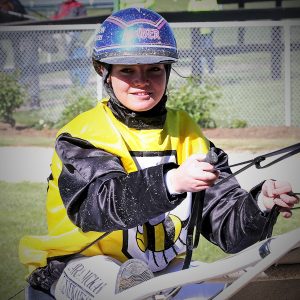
197, 208
289, 151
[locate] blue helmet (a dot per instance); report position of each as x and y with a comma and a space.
135, 36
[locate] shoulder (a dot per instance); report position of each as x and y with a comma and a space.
88, 120
185, 124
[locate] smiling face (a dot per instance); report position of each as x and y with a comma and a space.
138, 87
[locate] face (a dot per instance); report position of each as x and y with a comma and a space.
138, 87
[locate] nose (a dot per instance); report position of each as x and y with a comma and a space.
140, 79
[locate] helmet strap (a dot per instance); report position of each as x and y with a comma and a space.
151, 119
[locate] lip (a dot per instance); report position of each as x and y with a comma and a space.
141, 94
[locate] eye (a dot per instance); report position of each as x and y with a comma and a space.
126, 70
156, 69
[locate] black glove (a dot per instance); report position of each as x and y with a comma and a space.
43, 278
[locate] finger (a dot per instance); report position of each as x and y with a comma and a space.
289, 199
203, 160
282, 188
292, 194
269, 186
205, 166
286, 213
198, 188
206, 158
204, 183
281, 203
198, 156
207, 177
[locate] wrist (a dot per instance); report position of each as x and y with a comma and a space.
169, 182
260, 203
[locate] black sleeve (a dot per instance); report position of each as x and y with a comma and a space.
231, 217
100, 196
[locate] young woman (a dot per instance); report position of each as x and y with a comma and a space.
131, 167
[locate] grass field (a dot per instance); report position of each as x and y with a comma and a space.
23, 212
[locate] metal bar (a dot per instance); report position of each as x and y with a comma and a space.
88, 26
48, 27
287, 75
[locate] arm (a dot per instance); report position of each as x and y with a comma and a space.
100, 196
232, 218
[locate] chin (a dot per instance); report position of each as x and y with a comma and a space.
141, 108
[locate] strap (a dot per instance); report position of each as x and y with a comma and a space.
196, 215
290, 151
267, 230
67, 258
198, 199
190, 244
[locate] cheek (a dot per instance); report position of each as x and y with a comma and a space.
119, 86
160, 83
160, 80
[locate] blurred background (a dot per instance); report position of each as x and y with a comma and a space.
238, 76
243, 57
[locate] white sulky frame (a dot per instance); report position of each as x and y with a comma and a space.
256, 259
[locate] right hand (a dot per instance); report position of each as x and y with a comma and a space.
193, 175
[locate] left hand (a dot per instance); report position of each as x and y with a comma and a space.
280, 193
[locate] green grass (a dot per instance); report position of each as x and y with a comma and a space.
208, 253
23, 212
27, 118
38, 141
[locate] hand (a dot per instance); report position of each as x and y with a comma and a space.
280, 193
193, 175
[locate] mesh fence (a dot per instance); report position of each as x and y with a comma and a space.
53, 65
254, 65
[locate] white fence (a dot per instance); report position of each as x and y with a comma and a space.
256, 66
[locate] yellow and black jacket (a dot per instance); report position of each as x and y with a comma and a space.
107, 176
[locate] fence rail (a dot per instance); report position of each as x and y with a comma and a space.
255, 64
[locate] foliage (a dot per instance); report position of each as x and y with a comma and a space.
196, 99
27, 118
43, 124
238, 123
11, 97
75, 107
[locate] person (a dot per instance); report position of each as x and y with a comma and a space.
125, 175
203, 38
69, 9
75, 48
